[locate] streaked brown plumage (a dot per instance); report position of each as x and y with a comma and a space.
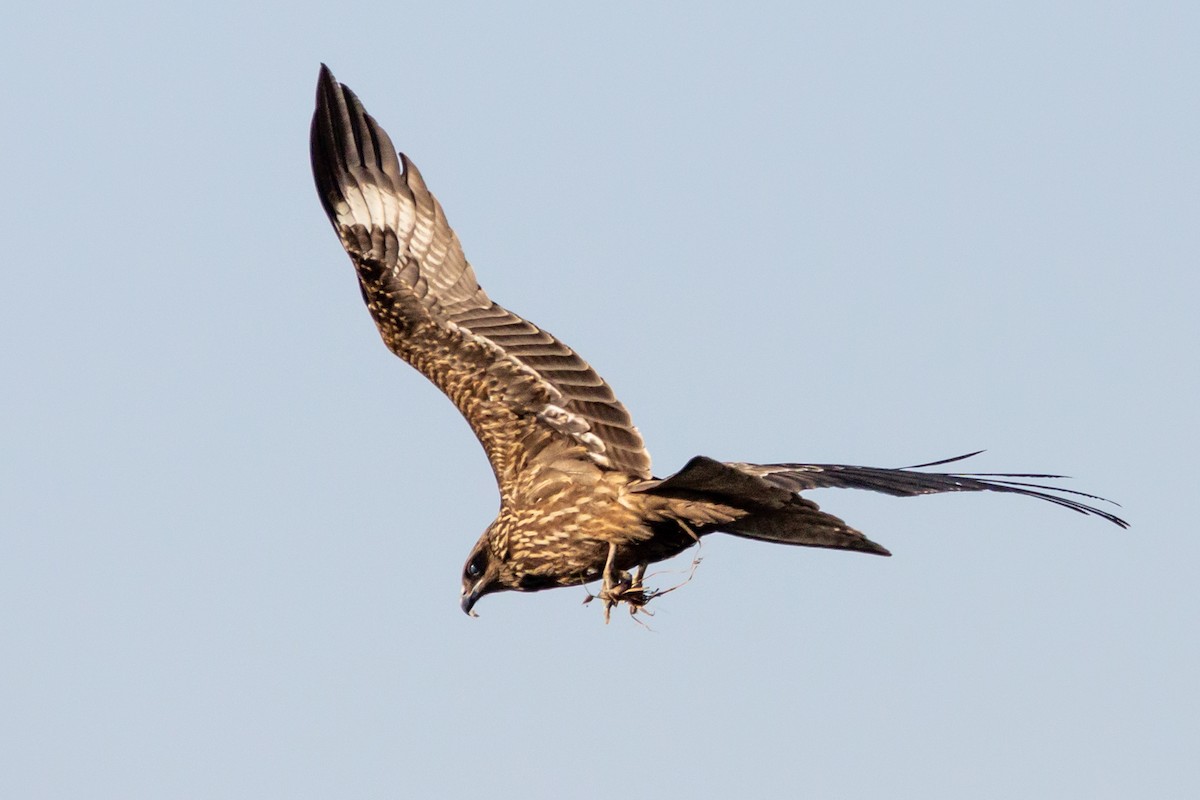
578, 500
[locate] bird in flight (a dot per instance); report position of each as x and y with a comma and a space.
578, 501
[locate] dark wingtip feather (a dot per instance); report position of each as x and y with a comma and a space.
328, 126
348, 147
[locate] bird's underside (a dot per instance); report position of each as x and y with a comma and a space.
578, 500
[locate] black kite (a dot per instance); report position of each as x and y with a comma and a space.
578, 501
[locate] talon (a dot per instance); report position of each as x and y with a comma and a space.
630, 589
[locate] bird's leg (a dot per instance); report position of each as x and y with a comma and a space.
608, 568
610, 590
621, 587
637, 597
638, 576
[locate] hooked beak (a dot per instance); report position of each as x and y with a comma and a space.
469, 599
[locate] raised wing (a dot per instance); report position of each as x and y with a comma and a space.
905, 482
519, 387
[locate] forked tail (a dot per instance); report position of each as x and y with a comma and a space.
775, 512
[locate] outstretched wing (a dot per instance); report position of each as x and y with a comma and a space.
520, 389
905, 482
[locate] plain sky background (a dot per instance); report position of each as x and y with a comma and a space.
232, 524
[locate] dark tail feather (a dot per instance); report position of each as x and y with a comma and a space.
775, 514
809, 527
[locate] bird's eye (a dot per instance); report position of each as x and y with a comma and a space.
475, 568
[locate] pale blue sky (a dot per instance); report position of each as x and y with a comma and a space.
232, 524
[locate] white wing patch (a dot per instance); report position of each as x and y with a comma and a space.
564, 421
578, 429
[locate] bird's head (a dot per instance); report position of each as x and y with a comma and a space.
481, 575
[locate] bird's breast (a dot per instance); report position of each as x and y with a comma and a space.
566, 536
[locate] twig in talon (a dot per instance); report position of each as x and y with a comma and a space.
691, 574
